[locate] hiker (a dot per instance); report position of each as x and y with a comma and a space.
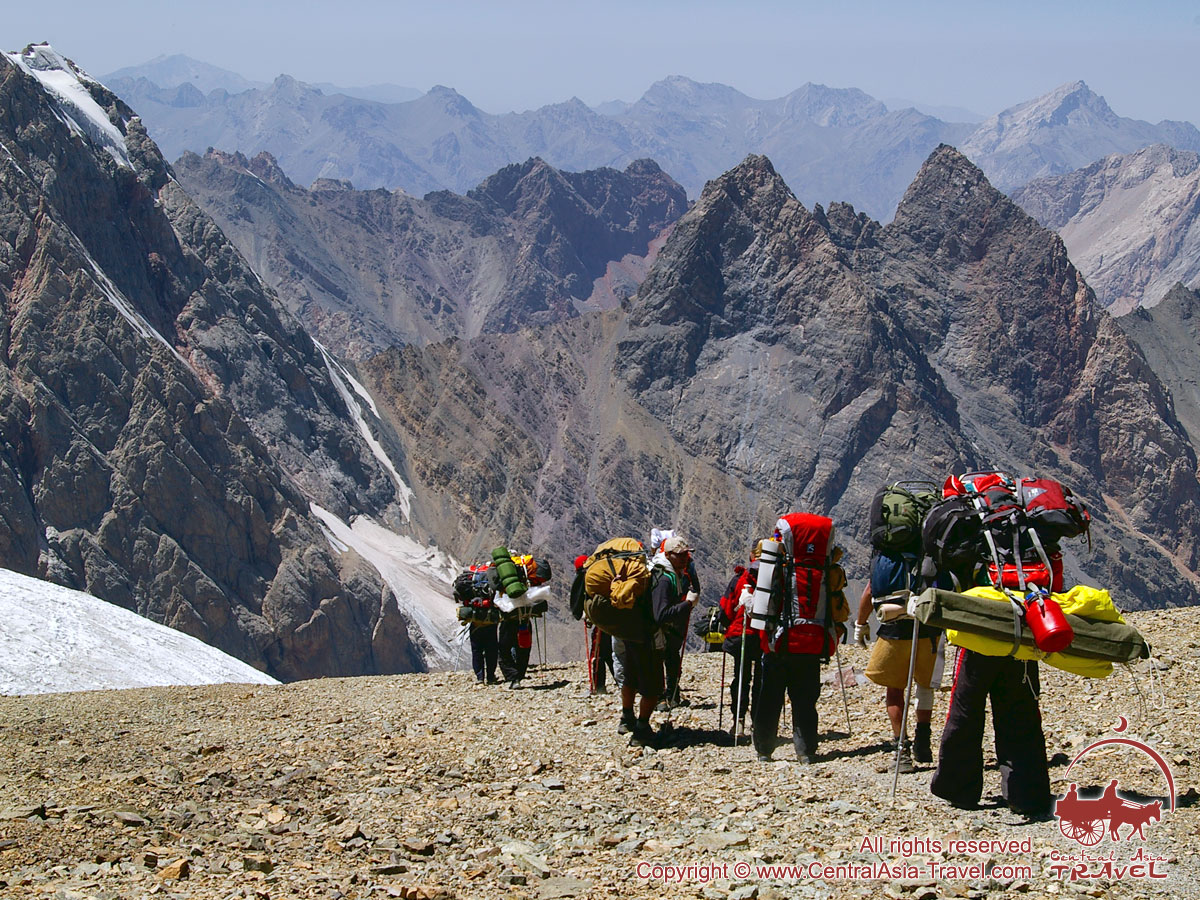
642, 660
675, 629
1013, 686
743, 643
514, 637
805, 636
892, 578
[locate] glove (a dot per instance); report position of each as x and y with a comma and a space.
862, 634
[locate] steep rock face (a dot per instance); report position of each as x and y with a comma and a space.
165, 424
1131, 223
1169, 335
1061, 131
776, 358
369, 269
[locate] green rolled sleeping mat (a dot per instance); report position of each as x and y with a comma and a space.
1094, 638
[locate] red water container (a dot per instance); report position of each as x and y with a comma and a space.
1051, 630
525, 636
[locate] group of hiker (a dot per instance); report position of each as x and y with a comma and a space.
784, 613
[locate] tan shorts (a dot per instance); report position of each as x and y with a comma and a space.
889, 662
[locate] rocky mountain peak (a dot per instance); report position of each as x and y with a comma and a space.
678, 92
951, 207
826, 106
448, 101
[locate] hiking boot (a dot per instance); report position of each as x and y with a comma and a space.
514, 685
627, 722
906, 764
642, 734
921, 751
764, 757
806, 758
663, 706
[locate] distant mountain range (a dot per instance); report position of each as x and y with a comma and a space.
1130, 222
176, 70
829, 144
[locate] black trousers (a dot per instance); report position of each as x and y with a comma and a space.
1012, 685
799, 675
514, 659
484, 650
744, 692
602, 655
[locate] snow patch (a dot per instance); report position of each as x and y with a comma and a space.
419, 576
73, 103
348, 387
57, 639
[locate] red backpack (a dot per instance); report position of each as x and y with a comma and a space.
806, 622
1053, 510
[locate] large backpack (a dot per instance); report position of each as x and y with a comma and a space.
897, 513
1053, 509
616, 581
806, 617
1016, 526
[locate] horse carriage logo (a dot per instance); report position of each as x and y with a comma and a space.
1087, 821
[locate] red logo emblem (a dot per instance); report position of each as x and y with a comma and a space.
1087, 821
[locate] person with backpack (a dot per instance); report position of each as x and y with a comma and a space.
893, 577
954, 541
799, 631
743, 643
642, 661
674, 632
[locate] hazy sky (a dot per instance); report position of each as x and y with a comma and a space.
1142, 57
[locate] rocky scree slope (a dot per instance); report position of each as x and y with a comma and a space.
777, 358
164, 423
1129, 222
370, 269
430, 786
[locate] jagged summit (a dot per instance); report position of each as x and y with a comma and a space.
952, 208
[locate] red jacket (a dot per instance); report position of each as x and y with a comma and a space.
739, 621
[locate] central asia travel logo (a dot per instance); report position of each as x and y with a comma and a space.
1087, 822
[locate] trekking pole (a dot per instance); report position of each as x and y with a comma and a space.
912, 666
541, 656
458, 658
739, 724
590, 656
842, 681
721, 695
